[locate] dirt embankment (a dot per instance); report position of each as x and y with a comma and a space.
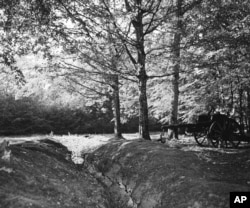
121, 174
143, 174
41, 174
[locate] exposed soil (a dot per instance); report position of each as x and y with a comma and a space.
120, 174
148, 174
41, 174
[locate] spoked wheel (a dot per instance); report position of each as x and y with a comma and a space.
224, 134
201, 138
214, 134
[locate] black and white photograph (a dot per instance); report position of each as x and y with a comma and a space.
124, 103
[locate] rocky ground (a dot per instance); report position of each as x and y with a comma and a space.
120, 174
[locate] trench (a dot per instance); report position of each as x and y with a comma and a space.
142, 174
117, 193
42, 174
120, 174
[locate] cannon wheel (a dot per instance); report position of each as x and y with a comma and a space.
201, 138
225, 134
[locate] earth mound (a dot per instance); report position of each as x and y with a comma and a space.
121, 174
41, 174
144, 174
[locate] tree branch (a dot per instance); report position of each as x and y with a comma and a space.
190, 6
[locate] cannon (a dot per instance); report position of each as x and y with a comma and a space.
218, 130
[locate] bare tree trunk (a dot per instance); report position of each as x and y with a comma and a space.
142, 75
175, 83
241, 106
248, 110
232, 95
116, 107
143, 109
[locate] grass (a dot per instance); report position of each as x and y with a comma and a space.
79, 144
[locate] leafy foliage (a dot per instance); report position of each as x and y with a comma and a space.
81, 44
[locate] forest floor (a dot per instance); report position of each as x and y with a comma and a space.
42, 174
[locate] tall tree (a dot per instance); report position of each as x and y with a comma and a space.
78, 31
176, 68
135, 24
140, 63
219, 56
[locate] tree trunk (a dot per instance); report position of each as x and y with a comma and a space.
175, 83
174, 104
142, 75
116, 107
232, 95
241, 106
143, 109
248, 110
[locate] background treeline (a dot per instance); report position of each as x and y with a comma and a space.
166, 60
28, 116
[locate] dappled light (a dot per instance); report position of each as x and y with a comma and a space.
123, 103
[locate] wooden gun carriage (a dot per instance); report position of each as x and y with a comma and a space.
218, 130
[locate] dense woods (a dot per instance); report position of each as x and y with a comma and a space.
122, 65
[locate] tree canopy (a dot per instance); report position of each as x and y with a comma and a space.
171, 61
